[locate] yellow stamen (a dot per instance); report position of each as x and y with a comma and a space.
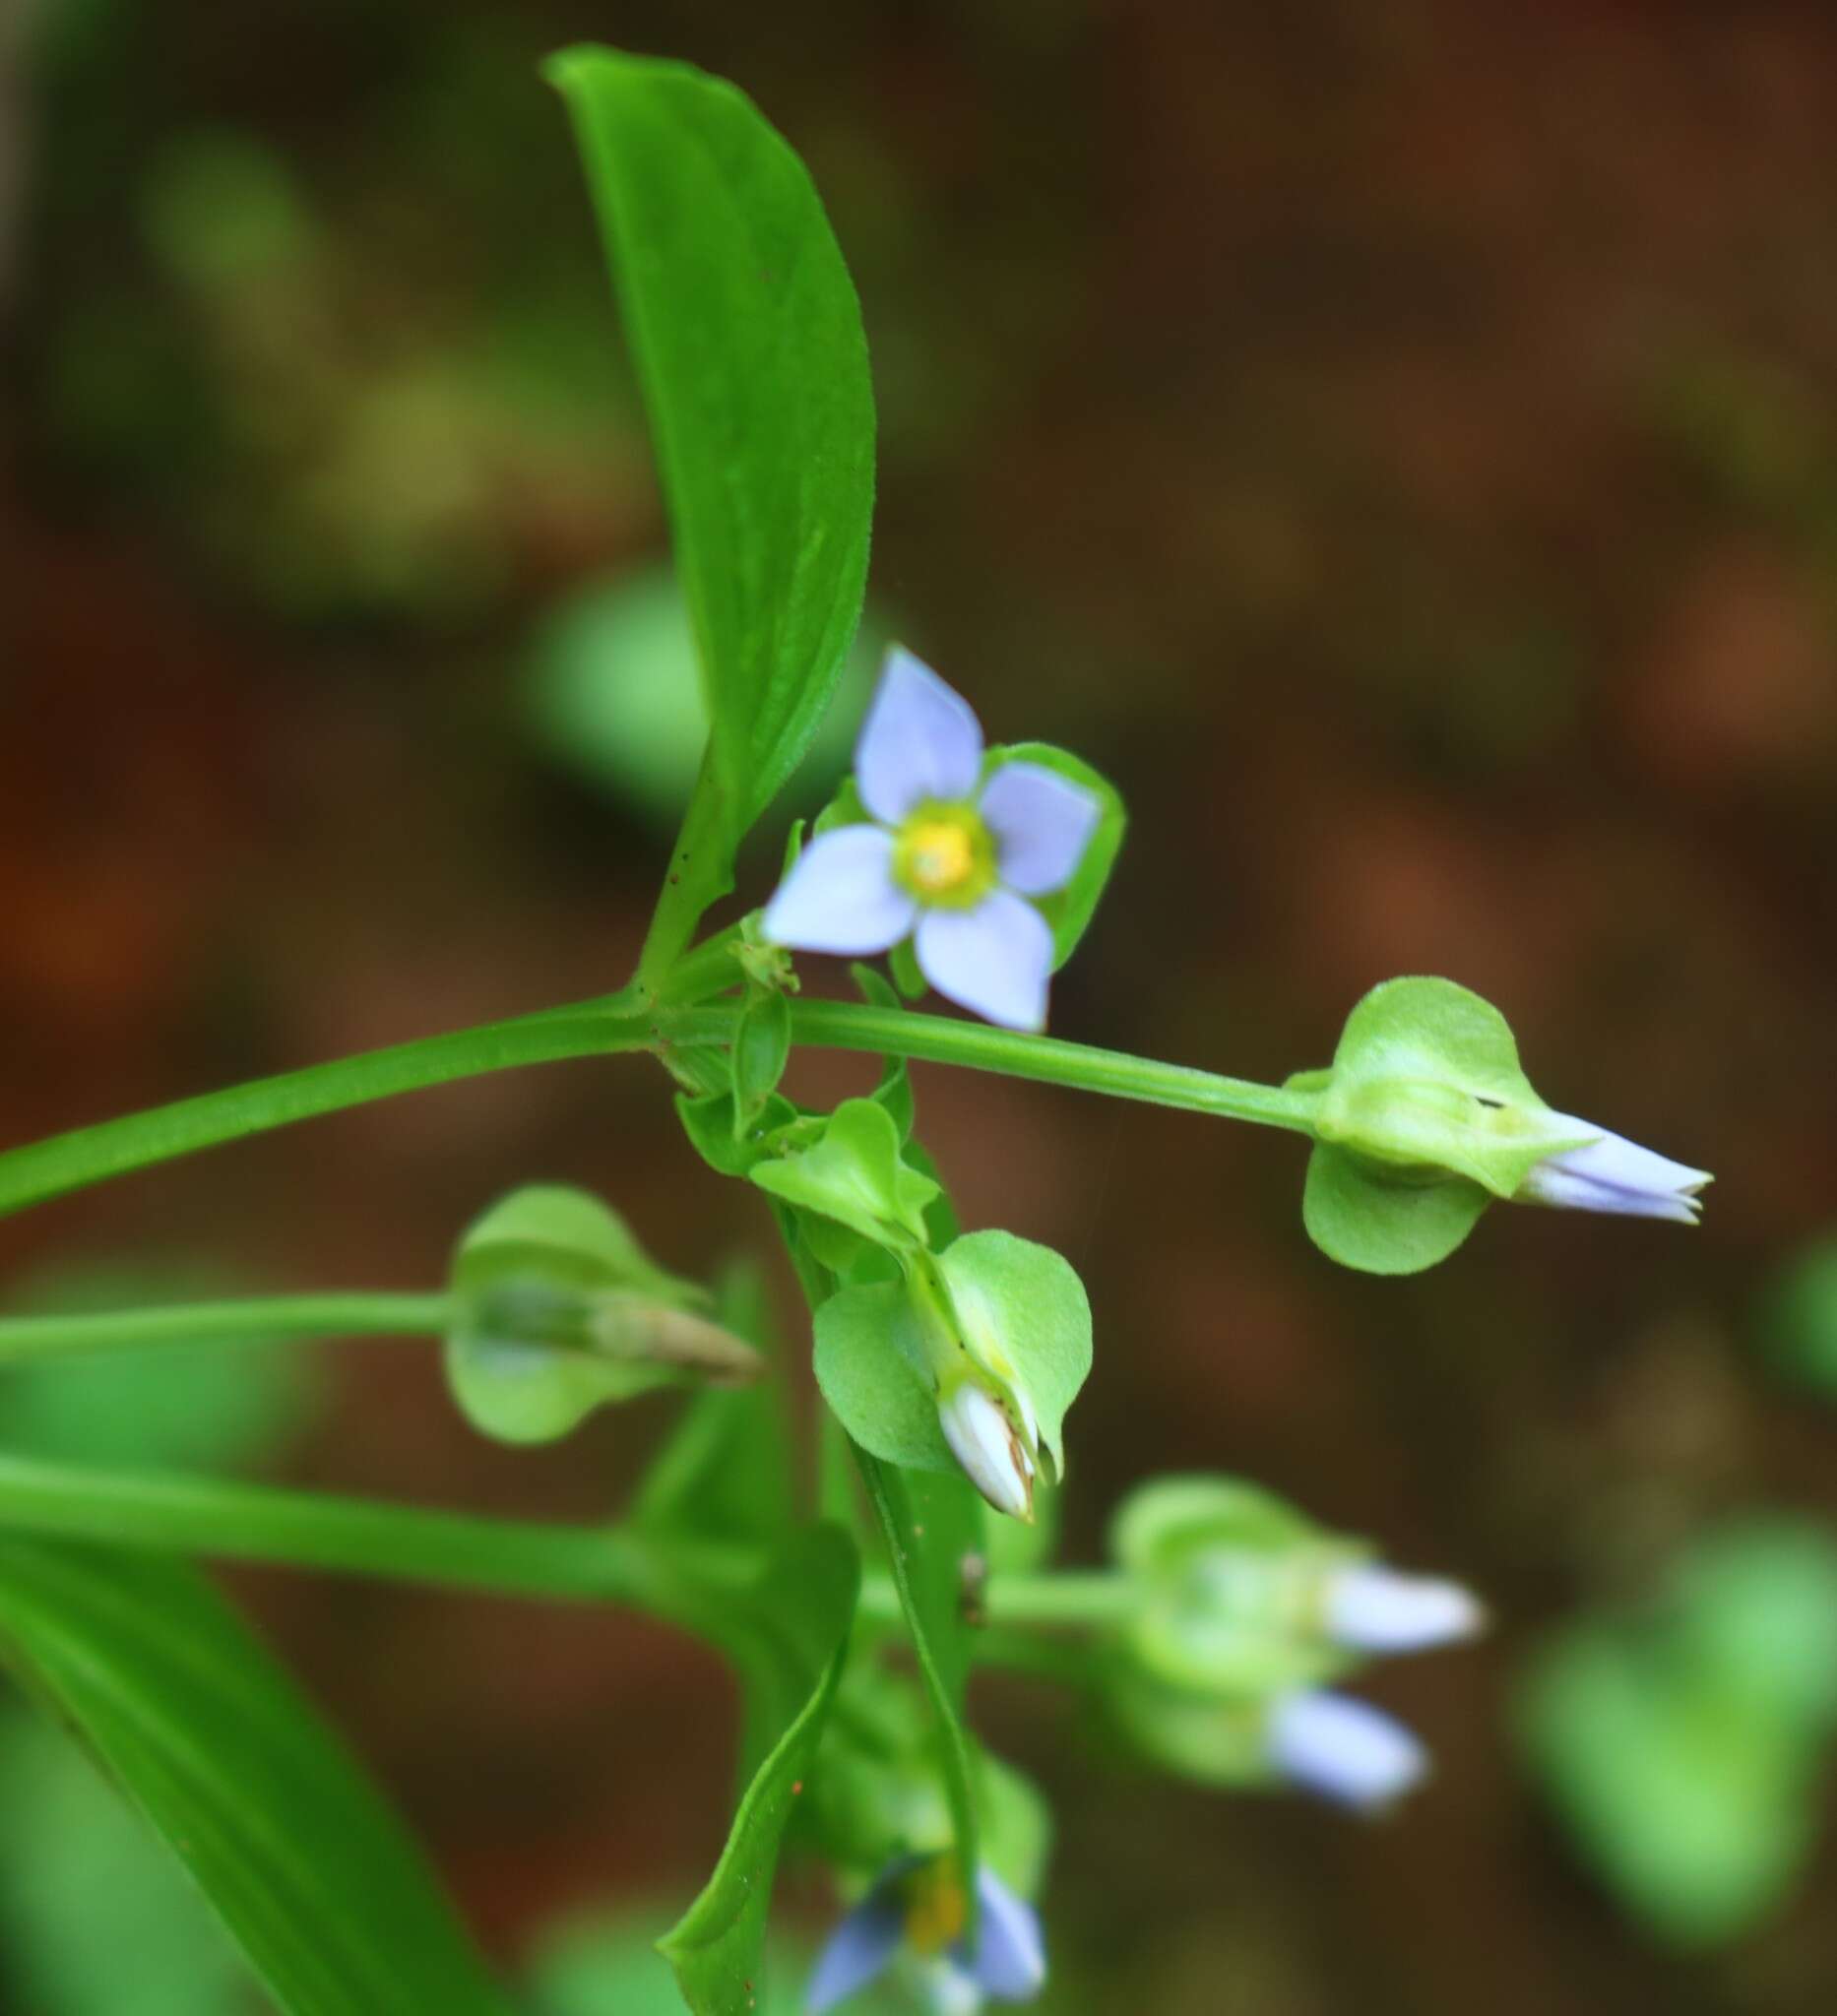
934, 1909
939, 856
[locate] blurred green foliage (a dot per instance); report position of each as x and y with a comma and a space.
1686, 1747
99, 1919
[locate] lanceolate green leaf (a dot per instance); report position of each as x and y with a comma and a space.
307, 1867
931, 1525
747, 338
805, 1607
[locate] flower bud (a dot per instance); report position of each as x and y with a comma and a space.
984, 1442
1426, 1113
1614, 1174
1370, 1609
1344, 1749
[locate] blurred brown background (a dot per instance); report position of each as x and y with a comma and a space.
1395, 440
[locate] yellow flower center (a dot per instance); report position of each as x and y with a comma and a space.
943, 856
935, 1907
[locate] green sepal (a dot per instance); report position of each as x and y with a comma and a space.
1384, 1222
895, 1089
761, 1051
854, 1173
1216, 1740
902, 965
557, 1310
1069, 909
843, 809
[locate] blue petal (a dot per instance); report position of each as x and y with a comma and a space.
1343, 1748
1041, 822
841, 895
919, 742
859, 1949
1010, 1961
994, 960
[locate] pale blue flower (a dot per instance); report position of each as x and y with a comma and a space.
1368, 1607
1343, 1748
948, 860
914, 1913
1613, 1173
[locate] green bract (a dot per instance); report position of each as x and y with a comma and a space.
854, 1175
1019, 1315
1216, 1740
1230, 1585
557, 1310
1425, 1114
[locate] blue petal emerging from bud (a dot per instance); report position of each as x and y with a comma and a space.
1344, 1749
1610, 1173
1371, 1609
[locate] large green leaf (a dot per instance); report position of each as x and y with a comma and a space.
305, 1864
804, 1609
747, 338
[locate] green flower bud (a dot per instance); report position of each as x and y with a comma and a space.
557, 1310
969, 1361
1236, 1594
1426, 1113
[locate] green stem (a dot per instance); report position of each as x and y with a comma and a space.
700, 874
267, 1320
67, 1161
352, 1535
941, 1040
1078, 1600
1075, 1600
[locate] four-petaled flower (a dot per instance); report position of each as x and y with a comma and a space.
949, 861
916, 1908
1613, 1173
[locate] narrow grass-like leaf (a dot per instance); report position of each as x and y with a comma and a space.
804, 1608
931, 1525
305, 1864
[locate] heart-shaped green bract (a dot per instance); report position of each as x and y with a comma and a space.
1382, 1222
854, 1175
549, 1287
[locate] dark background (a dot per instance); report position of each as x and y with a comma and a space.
1394, 440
